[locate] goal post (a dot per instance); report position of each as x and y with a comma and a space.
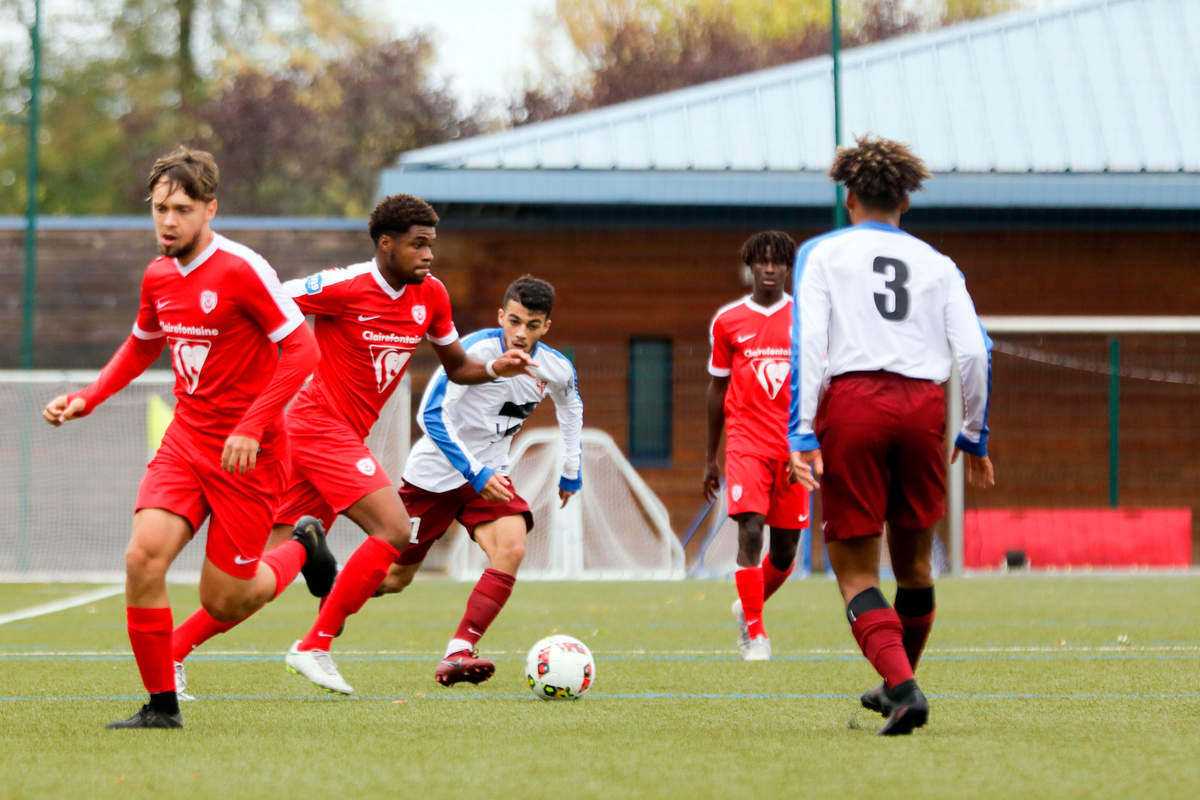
1087, 413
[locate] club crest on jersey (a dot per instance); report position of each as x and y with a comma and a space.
541, 386
187, 357
418, 314
389, 363
366, 466
772, 374
735, 492
313, 284
208, 300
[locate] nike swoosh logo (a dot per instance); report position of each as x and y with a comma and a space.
242, 560
477, 633
746, 338
802, 518
161, 304
326, 635
367, 318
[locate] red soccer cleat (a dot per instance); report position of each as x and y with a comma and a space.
463, 666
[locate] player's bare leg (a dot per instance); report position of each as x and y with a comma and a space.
911, 552
388, 528
158, 537
877, 630
504, 542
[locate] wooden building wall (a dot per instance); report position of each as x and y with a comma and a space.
614, 284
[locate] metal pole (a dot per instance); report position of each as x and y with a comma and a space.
835, 35
31, 192
1114, 419
957, 505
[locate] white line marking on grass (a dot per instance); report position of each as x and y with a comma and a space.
61, 605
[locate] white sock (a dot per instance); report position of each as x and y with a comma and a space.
458, 644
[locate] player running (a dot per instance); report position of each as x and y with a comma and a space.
748, 394
240, 350
881, 316
459, 470
369, 318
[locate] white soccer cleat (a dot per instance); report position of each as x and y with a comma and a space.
181, 683
318, 667
743, 631
759, 649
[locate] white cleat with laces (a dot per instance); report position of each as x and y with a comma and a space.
318, 667
181, 683
759, 649
743, 630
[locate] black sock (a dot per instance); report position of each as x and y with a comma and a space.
166, 702
914, 602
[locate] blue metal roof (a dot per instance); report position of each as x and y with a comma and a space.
1091, 104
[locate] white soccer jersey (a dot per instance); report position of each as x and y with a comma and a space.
468, 429
872, 297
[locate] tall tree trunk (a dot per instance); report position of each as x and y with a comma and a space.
186, 63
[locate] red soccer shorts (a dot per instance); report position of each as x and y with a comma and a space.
759, 485
332, 469
186, 478
433, 512
883, 443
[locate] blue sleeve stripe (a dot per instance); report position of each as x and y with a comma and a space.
435, 425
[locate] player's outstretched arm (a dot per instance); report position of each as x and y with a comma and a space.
131, 359
462, 368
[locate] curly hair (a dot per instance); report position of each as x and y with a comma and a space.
880, 171
533, 293
194, 171
769, 247
399, 212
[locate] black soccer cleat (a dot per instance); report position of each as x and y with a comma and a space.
147, 717
320, 566
872, 700
906, 708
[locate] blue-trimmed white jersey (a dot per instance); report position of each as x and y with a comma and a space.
468, 429
872, 297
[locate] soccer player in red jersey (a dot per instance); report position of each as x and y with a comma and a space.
369, 318
880, 319
240, 350
748, 395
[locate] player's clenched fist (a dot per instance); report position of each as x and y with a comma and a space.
59, 410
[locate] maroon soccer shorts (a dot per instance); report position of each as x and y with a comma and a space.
759, 485
432, 514
187, 479
883, 443
332, 469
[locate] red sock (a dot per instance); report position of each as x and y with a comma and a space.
916, 632
195, 631
878, 634
773, 577
285, 561
750, 589
364, 571
487, 598
150, 637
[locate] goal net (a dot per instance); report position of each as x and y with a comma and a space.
67, 494
1094, 441
614, 528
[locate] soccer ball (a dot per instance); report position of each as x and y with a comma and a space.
560, 667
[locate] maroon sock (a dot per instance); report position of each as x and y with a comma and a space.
364, 572
487, 598
773, 577
879, 635
285, 561
195, 631
150, 637
750, 589
916, 632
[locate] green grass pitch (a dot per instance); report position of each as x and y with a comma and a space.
1040, 686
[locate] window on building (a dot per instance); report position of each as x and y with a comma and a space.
650, 402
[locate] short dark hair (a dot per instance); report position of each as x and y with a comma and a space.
769, 247
533, 293
880, 171
399, 212
194, 171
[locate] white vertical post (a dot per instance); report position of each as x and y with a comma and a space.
955, 504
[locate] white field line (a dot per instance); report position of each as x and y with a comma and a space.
935, 651
54, 606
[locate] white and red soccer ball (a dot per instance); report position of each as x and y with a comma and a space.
560, 667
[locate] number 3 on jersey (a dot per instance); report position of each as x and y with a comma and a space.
892, 306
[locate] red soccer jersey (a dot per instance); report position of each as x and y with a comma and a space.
752, 346
222, 315
367, 332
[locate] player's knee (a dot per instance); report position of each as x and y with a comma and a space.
144, 563
397, 533
227, 608
512, 551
